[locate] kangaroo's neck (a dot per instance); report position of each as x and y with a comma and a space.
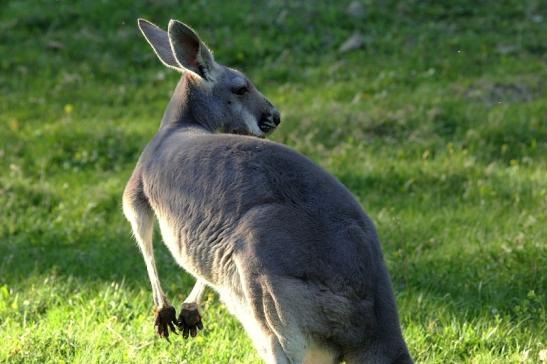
188, 107
178, 110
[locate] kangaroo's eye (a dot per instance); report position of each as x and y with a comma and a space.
241, 90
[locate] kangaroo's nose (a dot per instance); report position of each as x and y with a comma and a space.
276, 117
269, 120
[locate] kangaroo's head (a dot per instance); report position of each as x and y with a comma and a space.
209, 94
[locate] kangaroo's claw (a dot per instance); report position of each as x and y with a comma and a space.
166, 318
189, 321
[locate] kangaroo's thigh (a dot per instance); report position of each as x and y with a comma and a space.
264, 340
268, 319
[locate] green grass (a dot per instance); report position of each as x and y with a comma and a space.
438, 125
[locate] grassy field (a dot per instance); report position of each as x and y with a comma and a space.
438, 124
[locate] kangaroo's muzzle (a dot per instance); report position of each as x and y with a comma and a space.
269, 121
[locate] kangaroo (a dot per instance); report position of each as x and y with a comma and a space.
286, 246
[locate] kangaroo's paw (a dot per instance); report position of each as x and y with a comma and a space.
189, 320
166, 318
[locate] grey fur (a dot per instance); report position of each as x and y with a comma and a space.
287, 247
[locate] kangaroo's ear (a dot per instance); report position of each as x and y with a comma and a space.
189, 50
159, 41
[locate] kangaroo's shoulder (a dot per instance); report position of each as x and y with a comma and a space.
191, 145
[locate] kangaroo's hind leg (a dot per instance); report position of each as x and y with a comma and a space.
271, 320
275, 335
140, 215
285, 315
283, 309
264, 340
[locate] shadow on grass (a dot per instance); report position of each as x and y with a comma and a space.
115, 258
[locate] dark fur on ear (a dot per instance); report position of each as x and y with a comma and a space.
189, 50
